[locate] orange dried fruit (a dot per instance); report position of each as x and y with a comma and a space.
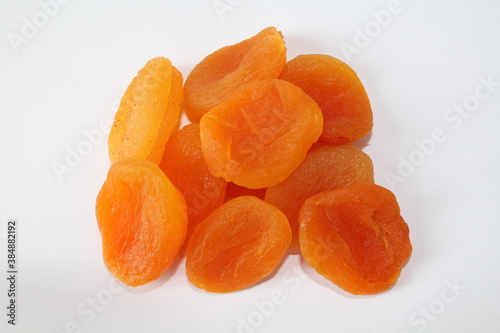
268, 167
142, 219
149, 112
339, 93
355, 237
184, 165
326, 167
221, 73
238, 245
260, 134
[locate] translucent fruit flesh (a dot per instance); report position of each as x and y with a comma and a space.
237, 245
325, 167
221, 73
149, 112
339, 93
260, 134
355, 237
143, 221
185, 166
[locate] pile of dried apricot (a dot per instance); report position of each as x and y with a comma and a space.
265, 165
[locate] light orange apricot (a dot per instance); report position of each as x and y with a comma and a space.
149, 111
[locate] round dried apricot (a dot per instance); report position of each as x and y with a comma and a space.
355, 237
238, 245
184, 165
149, 112
260, 134
339, 93
142, 219
221, 73
325, 168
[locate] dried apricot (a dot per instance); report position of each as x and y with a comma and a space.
355, 237
142, 219
149, 111
221, 73
260, 134
325, 167
184, 165
237, 245
339, 93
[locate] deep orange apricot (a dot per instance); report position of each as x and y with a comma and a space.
143, 221
238, 245
260, 134
339, 93
355, 237
184, 165
221, 73
149, 112
326, 167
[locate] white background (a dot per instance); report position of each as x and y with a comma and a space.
65, 77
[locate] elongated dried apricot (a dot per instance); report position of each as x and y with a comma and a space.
355, 237
325, 168
260, 134
142, 219
237, 245
149, 111
185, 166
221, 73
339, 93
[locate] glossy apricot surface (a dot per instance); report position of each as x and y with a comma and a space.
355, 237
143, 221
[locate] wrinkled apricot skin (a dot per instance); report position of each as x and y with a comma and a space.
184, 165
143, 221
260, 134
148, 113
236, 246
339, 93
326, 167
221, 73
355, 237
